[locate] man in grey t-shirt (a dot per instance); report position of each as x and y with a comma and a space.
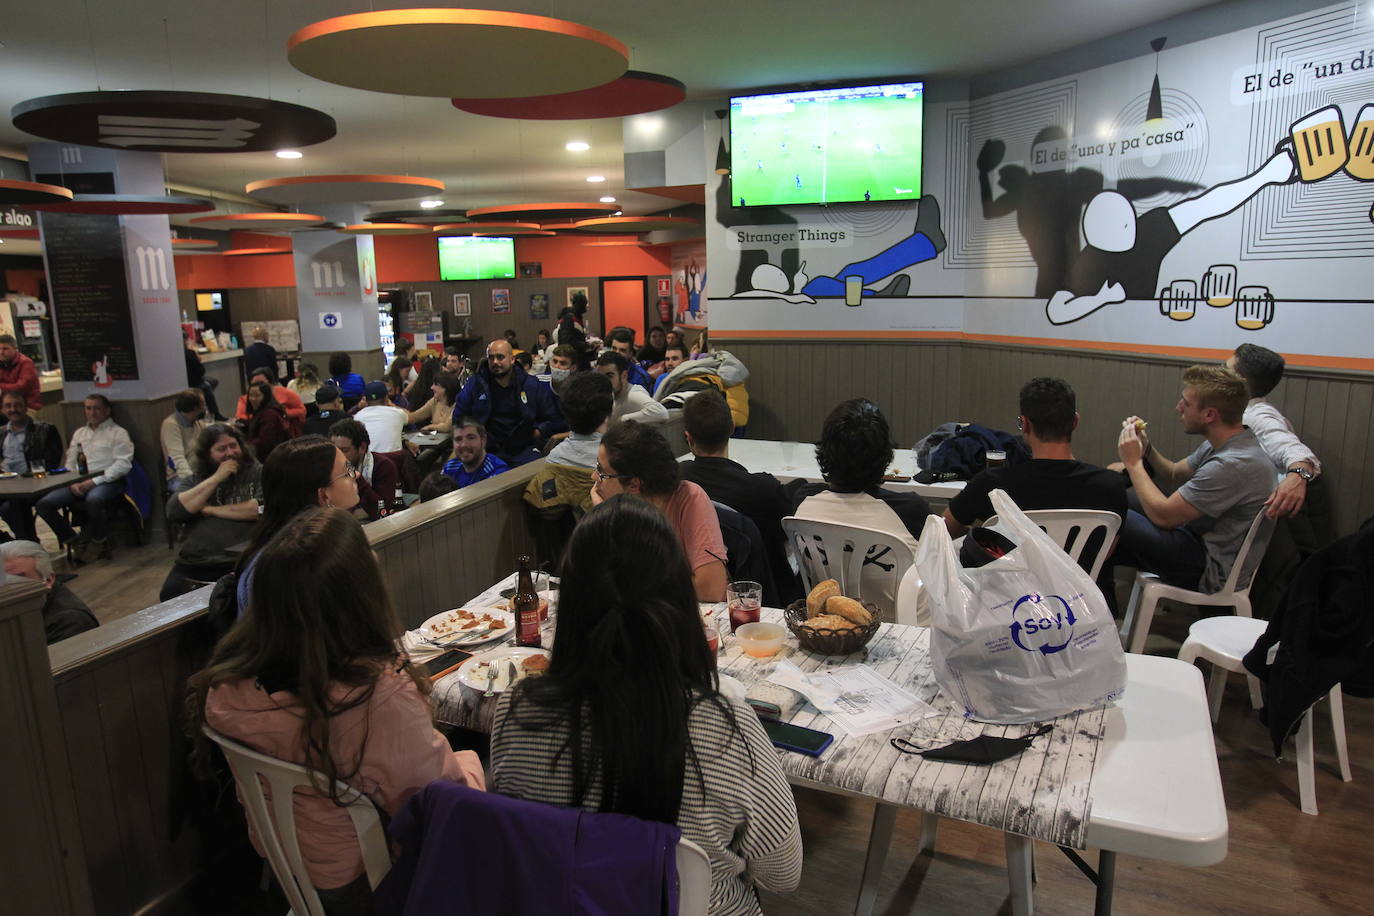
1191, 537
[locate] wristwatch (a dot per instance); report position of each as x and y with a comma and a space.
1302, 472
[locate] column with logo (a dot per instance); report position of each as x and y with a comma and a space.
336, 293
111, 278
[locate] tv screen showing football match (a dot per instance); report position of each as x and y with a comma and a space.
826, 146
473, 258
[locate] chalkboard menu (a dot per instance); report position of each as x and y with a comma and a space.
90, 293
420, 322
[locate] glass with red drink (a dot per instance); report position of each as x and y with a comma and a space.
743, 599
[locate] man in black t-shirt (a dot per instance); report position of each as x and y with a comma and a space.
1053, 479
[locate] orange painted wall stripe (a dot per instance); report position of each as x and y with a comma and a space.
1360, 364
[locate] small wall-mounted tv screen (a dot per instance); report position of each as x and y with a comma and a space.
826, 146
474, 258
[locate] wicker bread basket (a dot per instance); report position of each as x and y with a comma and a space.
824, 640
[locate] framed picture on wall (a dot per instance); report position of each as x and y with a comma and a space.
574, 290
531, 270
423, 301
500, 301
539, 305
462, 304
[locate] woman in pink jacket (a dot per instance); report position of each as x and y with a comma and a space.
311, 674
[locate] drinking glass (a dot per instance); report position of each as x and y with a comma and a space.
38, 468
1219, 285
744, 599
1178, 300
1319, 143
1254, 307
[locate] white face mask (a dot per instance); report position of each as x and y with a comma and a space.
559, 375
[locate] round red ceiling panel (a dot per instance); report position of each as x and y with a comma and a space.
635, 92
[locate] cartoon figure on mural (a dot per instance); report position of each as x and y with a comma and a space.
690, 282
927, 239
1124, 251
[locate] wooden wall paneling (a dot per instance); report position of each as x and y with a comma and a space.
92, 786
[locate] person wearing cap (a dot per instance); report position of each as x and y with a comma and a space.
329, 400
383, 420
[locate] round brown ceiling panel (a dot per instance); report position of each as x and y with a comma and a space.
385, 229
128, 205
541, 212
635, 223
260, 222
456, 53
432, 217
159, 121
315, 189
30, 193
635, 92
487, 228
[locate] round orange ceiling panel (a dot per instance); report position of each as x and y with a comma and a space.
385, 229
194, 244
28, 193
457, 53
488, 228
544, 211
232, 252
522, 232
314, 189
634, 223
260, 222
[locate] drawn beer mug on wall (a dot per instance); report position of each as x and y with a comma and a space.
1319, 144
1178, 300
1361, 164
1219, 285
1254, 307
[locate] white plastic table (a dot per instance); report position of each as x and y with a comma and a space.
792, 460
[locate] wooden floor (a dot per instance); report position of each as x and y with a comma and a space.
1280, 860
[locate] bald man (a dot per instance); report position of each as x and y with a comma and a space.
518, 410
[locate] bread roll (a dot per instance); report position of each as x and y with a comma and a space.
815, 602
830, 622
849, 609
1140, 425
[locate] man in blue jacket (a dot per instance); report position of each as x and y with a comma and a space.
519, 411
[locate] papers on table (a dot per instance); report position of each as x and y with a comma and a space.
857, 699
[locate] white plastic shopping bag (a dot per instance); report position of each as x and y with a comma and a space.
1025, 638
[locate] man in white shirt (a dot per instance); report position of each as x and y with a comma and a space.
383, 420
109, 455
1262, 369
179, 432
632, 402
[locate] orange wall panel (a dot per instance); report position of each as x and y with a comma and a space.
406, 258
214, 271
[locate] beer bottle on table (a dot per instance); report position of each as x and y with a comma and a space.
398, 501
82, 465
525, 605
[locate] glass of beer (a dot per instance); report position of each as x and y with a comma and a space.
1219, 285
1361, 164
1254, 307
1178, 300
744, 600
38, 469
853, 290
1319, 144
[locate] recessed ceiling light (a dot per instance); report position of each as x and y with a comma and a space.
620, 213
289, 154
431, 204
594, 179
608, 200
577, 146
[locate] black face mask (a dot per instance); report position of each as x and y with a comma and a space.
983, 749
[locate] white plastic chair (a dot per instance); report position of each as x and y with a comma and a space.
827, 550
693, 879
1149, 589
1071, 529
1223, 641
277, 831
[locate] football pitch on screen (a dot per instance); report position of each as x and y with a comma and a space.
474, 262
828, 152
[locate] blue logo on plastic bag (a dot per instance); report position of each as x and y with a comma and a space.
1042, 623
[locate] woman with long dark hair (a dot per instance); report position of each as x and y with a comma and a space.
418, 393
629, 718
311, 675
395, 380
267, 426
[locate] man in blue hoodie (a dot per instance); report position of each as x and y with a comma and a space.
519, 411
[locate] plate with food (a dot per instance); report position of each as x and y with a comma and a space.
8, 475
466, 627
510, 666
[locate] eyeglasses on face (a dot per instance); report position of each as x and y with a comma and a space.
349, 471
602, 475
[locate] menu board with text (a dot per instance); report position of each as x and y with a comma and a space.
89, 288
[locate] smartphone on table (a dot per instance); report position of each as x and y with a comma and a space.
443, 664
791, 737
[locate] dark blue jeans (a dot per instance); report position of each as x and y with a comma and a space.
98, 503
1176, 555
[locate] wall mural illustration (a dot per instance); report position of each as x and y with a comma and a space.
1175, 200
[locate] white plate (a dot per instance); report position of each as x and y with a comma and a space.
473, 672
8, 475
452, 635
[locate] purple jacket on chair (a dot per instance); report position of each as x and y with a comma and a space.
464, 851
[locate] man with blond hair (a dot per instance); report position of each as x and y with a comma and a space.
1191, 537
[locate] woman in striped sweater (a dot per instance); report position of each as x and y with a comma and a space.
629, 718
